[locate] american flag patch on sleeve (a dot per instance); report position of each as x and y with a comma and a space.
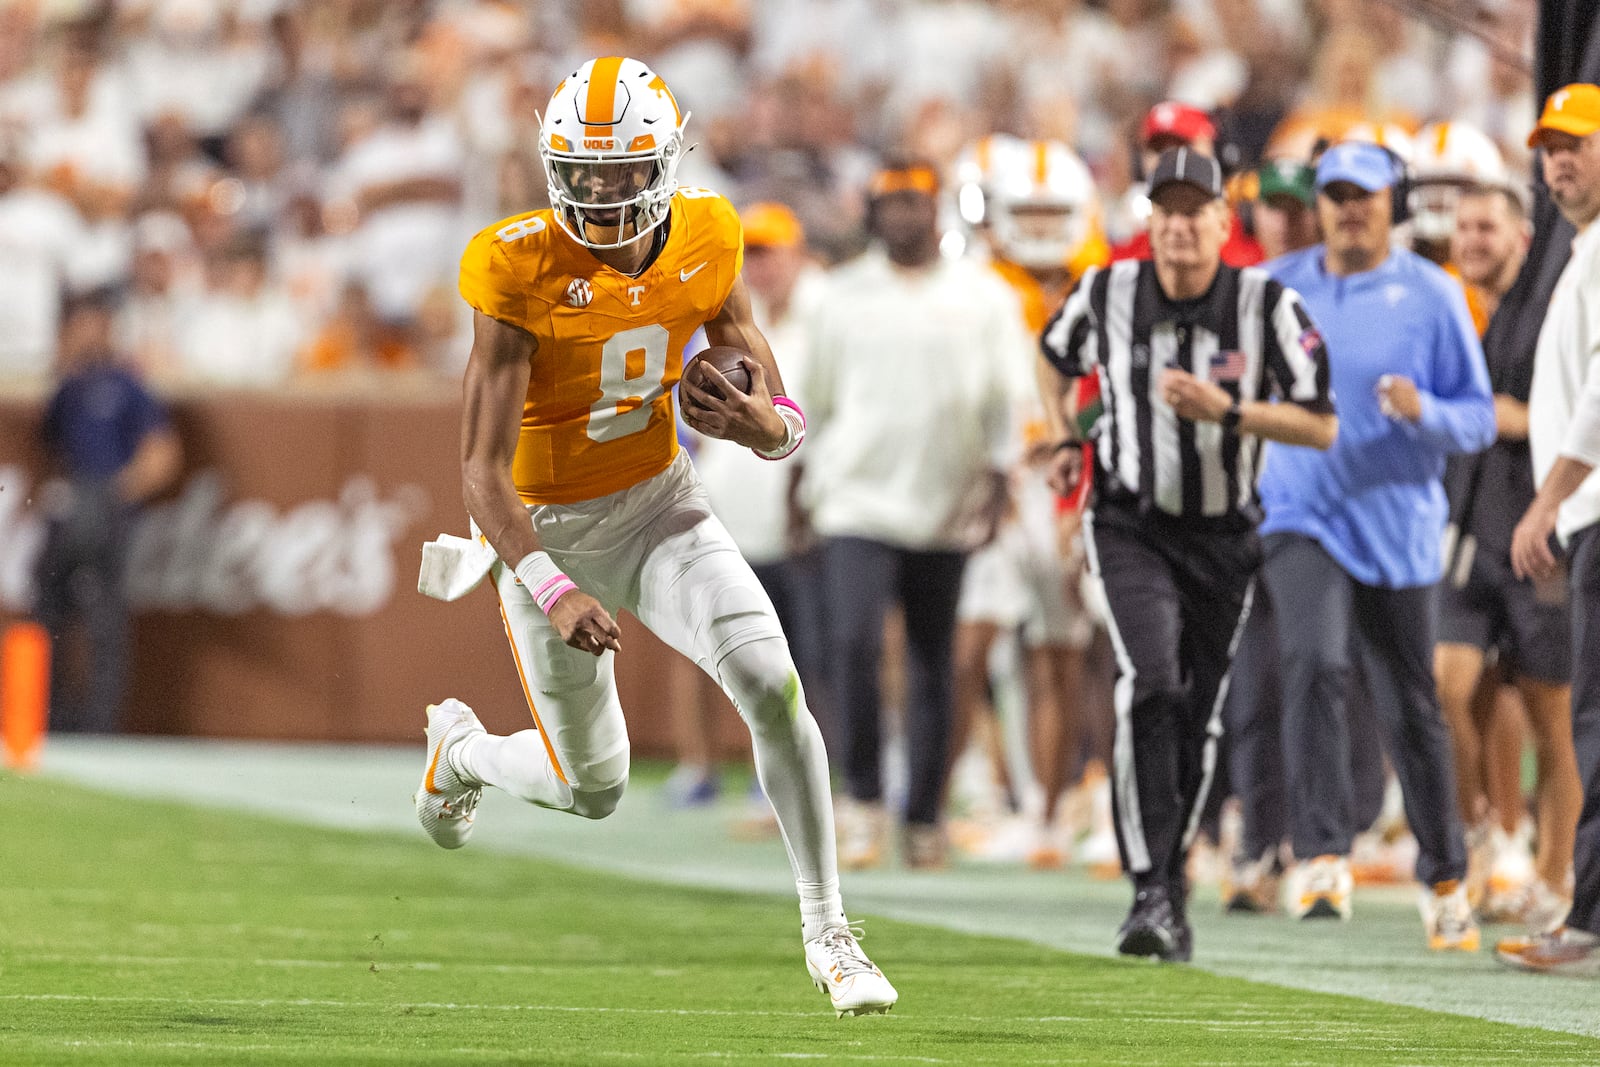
1228, 366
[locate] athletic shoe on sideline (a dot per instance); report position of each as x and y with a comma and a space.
924, 846
445, 803
1319, 889
863, 830
1511, 875
1252, 886
692, 785
1447, 917
1543, 908
840, 969
1562, 951
1154, 928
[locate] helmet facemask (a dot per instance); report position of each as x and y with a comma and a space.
1039, 234
628, 193
1433, 209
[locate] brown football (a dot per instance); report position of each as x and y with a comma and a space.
728, 360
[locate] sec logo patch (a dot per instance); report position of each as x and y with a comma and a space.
580, 292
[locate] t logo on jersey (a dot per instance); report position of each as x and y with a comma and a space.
580, 292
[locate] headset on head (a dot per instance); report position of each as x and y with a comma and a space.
1399, 185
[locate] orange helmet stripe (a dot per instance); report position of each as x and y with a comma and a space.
600, 100
1440, 136
985, 153
1041, 162
661, 87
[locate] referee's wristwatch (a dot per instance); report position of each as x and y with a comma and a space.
1230, 418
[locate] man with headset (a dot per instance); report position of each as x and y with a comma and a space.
1352, 536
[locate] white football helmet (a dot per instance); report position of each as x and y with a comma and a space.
1388, 134
611, 141
975, 171
1448, 157
1041, 204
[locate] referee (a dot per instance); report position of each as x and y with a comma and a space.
1191, 355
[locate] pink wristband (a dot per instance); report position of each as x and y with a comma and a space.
553, 590
795, 420
543, 580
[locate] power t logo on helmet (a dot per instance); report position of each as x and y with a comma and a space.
611, 140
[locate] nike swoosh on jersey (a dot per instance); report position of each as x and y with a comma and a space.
685, 275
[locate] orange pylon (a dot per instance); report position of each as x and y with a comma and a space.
24, 692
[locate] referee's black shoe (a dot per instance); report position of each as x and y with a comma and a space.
1155, 928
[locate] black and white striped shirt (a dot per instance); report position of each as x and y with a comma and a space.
1248, 334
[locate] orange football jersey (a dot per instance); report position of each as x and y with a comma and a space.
598, 417
1037, 304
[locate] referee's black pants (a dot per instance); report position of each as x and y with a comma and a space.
1323, 614
1178, 592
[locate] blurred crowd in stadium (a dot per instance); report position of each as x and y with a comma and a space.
280, 189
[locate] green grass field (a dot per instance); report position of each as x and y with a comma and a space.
136, 932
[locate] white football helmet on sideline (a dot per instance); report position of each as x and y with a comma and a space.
1041, 203
611, 140
1448, 157
976, 169
1388, 134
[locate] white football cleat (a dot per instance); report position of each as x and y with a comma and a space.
1319, 889
444, 802
841, 970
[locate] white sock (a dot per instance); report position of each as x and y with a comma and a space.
517, 764
792, 766
821, 909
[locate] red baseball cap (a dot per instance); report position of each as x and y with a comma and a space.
1171, 118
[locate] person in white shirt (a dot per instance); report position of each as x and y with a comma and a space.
404, 182
910, 427
247, 331
1564, 437
40, 235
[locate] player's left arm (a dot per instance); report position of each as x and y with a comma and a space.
746, 419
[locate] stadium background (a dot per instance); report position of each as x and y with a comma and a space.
348, 148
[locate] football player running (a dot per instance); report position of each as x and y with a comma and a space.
572, 474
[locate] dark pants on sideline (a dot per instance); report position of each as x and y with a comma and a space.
1253, 715
1393, 632
1584, 567
82, 602
1178, 592
863, 577
795, 588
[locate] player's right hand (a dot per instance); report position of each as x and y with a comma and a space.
1065, 470
584, 624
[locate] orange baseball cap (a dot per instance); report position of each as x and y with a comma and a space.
770, 225
1573, 109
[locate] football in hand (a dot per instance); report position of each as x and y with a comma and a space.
728, 360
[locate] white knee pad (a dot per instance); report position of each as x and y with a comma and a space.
576, 704
761, 678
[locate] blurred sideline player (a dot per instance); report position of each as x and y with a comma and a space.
1033, 205
1504, 651
572, 473
1447, 162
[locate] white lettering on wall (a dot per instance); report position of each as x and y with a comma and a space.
199, 552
